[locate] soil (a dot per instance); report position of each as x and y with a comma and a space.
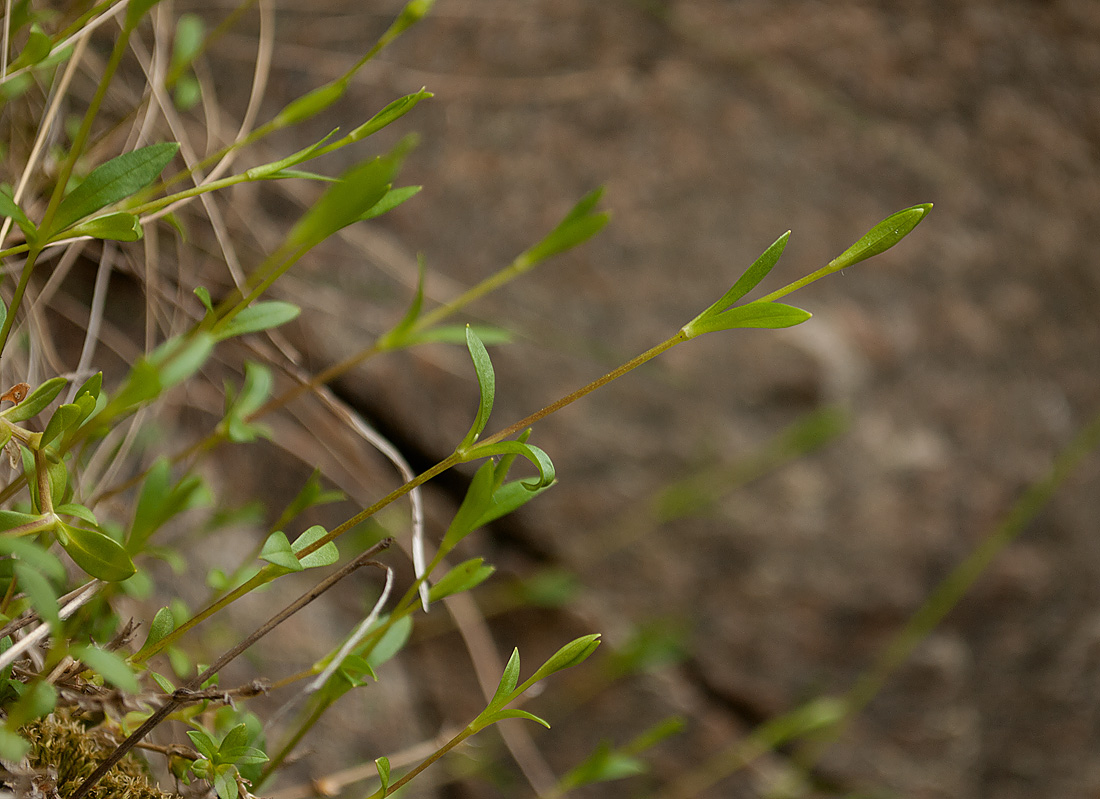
963, 362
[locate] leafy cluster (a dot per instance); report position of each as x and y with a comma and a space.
86, 515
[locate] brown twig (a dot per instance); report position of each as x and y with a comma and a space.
184, 694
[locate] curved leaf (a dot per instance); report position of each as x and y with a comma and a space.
96, 553
486, 383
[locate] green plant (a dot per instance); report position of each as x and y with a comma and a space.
74, 474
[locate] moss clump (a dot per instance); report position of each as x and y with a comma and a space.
62, 744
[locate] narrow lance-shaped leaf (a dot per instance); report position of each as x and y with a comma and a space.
754, 314
750, 278
507, 685
486, 381
392, 112
882, 236
37, 401
474, 504
9, 208
579, 225
462, 577
573, 653
113, 181
383, 766
257, 317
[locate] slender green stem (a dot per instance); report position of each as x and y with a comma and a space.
417, 769
824, 271
572, 397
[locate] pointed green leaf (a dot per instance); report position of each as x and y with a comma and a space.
96, 553
163, 623
277, 550
204, 743
92, 386
79, 511
203, 293
37, 49
359, 189
63, 418
257, 317
383, 766
37, 401
573, 653
9, 208
108, 665
274, 168
325, 556
752, 276
391, 642
754, 314
882, 236
509, 497
462, 577
486, 382
579, 225
395, 110
311, 103
474, 504
115, 180
119, 226
390, 200
507, 685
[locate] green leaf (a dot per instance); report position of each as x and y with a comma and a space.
96, 553
161, 500
277, 550
13, 747
392, 112
37, 49
77, 510
275, 168
383, 766
573, 653
204, 743
38, 700
187, 42
391, 642
579, 225
115, 180
397, 337
486, 383
603, 765
257, 317
753, 314
882, 236
9, 208
41, 594
474, 504
311, 103
311, 494
507, 685
136, 11
225, 782
37, 401
325, 556
163, 623
37, 558
108, 665
343, 203
751, 277
532, 453
65, 417
10, 519
178, 358
390, 200
203, 293
119, 226
92, 386
462, 577
508, 498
